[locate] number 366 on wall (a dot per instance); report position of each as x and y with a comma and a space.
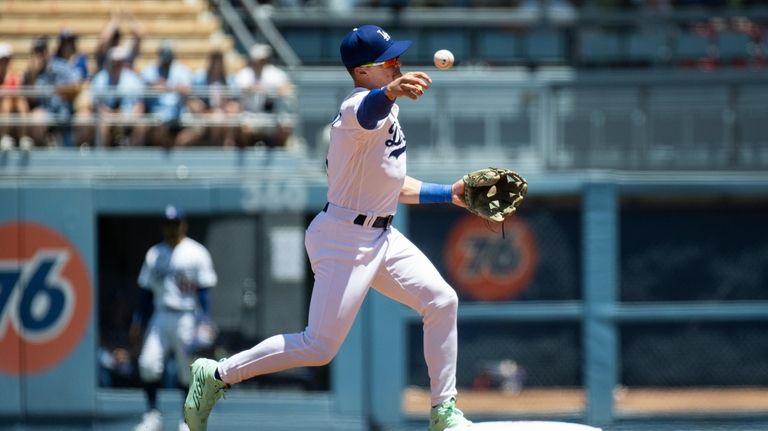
45, 298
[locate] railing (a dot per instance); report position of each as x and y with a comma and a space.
558, 120
280, 115
564, 120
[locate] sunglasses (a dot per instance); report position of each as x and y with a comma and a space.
392, 62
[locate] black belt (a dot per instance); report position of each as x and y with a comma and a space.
380, 222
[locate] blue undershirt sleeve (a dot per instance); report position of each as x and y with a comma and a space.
375, 106
203, 298
145, 308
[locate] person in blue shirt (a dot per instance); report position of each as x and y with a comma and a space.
67, 51
117, 92
44, 72
173, 80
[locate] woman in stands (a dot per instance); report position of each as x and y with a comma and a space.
211, 97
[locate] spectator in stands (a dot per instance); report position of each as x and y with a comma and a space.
173, 80
12, 103
117, 92
111, 37
211, 97
54, 111
67, 51
264, 88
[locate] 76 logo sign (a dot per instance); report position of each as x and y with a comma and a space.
45, 298
34, 298
487, 266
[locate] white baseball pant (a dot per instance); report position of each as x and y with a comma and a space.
168, 331
347, 259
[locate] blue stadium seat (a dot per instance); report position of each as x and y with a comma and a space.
645, 47
308, 44
598, 47
733, 46
544, 46
498, 46
691, 46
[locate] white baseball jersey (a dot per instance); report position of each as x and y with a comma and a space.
366, 168
366, 171
174, 274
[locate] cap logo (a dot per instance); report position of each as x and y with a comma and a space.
171, 212
383, 34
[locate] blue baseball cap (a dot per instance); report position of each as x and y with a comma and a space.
370, 44
174, 214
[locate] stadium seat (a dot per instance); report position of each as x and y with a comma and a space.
691, 47
645, 48
733, 46
194, 30
307, 43
599, 47
161, 27
544, 46
498, 46
101, 9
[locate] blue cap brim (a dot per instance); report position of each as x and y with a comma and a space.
397, 49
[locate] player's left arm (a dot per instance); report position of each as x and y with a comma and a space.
418, 192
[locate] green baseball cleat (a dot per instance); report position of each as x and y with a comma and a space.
446, 417
203, 393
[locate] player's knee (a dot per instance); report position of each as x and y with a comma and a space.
150, 374
150, 371
322, 351
324, 357
446, 301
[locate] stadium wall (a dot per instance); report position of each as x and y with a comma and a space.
52, 201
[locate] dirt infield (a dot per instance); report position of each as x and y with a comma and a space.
415, 401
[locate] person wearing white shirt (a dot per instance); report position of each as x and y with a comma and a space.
264, 89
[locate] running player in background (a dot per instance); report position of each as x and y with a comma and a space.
174, 280
351, 244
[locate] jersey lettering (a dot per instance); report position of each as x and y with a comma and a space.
397, 140
186, 280
336, 121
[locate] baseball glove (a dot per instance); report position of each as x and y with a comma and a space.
494, 193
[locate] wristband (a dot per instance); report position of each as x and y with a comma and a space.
435, 193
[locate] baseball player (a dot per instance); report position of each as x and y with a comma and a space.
352, 245
174, 281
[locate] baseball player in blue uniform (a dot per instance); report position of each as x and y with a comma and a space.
174, 280
352, 245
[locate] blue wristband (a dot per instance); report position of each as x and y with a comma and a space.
435, 193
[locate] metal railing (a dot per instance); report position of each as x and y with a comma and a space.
560, 120
283, 113
565, 120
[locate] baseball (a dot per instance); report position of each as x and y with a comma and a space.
443, 59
